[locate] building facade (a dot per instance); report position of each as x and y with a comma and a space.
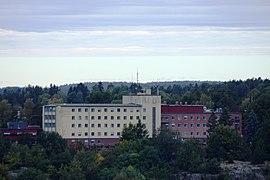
190, 121
19, 131
102, 124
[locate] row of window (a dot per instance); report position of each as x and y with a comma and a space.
185, 134
49, 125
49, 109
49, 117
97, 134
106, 117
179, 117
107, 110
99, 125
186, 125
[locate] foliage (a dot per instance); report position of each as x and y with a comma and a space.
225, 118
224, 143
252, 126
5, 113
133, 132
212, 122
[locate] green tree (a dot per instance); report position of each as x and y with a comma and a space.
207, 101
32, 173
28, 109
52, 142
134, 131
212, 122
252, 126
224, 143
5, 113
225, 118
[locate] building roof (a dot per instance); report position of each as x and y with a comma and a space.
97, 105
182, 108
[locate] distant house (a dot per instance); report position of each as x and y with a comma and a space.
16, 131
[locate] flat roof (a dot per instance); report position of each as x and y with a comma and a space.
97, 105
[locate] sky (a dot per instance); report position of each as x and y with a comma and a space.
65, 41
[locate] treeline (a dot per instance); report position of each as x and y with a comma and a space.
136, 156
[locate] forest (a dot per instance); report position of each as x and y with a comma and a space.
137, 156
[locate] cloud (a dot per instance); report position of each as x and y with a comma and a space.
147, 41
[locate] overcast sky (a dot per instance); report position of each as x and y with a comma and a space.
65, 41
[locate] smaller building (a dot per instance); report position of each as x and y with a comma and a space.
18, 131
190, 121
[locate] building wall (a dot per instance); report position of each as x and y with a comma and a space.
191, 121
151, 106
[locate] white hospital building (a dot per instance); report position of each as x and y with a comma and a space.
102, 124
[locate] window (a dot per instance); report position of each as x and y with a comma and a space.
137, 117
112, 125
131, 117
105, 109
86, 110
79, 125
92, 109
80, 117
125, 117
112, 110
99, 134
204, 117
72, 134
198, 125
144, 117
86, 134
92, 117
166, 118
172, 117
99, 117
131, 109
118, 117
73, 110
86, 125
79, 134
112, 133
73, 125
118, 125
105, 125
185, 117
191, 117
173, 125
179, 117
125, 110
125, 125
99, 110
204, 133
86, 117
198, 133
204, 125
137, 110
144, 109
118, 109
92, 125
105, 117
185, 125
105, 133
198, 118
73, 117
191, 125
79, 110
179, 125
99, 125
191, 133
112, 117
118, 133
92, 134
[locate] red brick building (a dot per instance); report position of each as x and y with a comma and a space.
17, 131
190, 121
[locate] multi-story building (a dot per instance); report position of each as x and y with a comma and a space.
190, 121
102, 124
